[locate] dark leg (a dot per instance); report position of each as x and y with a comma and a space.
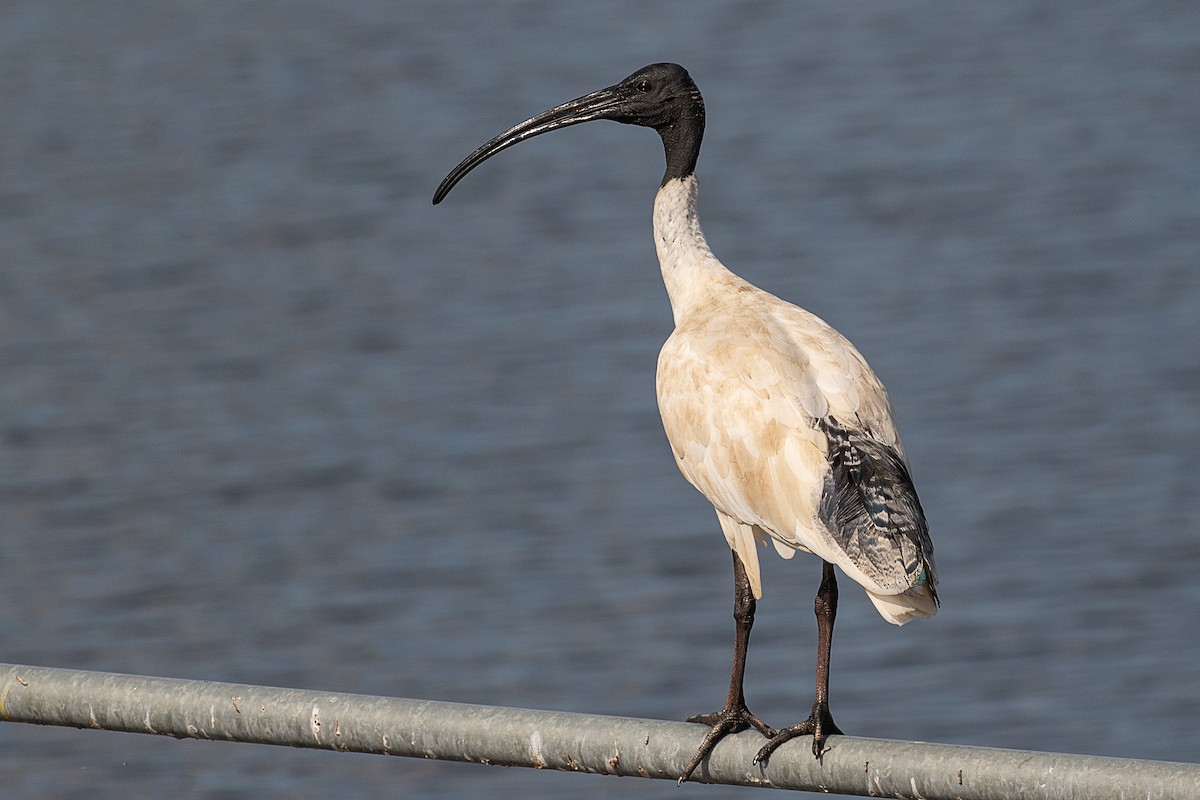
820, 722
734, 716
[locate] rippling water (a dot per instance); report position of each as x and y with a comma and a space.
268, 416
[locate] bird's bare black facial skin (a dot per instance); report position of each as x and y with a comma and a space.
659, 96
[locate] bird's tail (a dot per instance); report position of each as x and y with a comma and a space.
919, 601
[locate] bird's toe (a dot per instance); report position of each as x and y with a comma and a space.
722, 723
819, 725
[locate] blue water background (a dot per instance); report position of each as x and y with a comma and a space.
268, 416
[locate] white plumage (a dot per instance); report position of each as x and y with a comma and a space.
743, 381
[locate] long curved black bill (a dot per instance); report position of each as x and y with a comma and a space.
602, 104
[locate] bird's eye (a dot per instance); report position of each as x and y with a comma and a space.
644, 86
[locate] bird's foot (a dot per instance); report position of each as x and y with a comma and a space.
819, 725
730, 719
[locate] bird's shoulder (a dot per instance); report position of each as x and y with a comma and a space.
748, 345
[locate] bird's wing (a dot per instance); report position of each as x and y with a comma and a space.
869, 505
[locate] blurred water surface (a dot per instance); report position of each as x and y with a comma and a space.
268, 416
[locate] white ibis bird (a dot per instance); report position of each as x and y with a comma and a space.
771, 413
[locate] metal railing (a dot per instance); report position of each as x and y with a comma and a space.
566, 741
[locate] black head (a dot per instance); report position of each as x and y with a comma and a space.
659, 96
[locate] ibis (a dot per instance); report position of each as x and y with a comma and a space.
771, 413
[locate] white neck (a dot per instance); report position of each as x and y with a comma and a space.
689, 268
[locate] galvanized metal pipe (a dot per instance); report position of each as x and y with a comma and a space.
566, 741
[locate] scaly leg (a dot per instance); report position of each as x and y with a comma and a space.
820, 722
734, 716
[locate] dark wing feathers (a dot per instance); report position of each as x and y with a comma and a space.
870, 506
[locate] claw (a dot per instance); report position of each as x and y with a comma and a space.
721, 724
819, 725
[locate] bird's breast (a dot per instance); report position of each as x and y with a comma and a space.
738, 431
